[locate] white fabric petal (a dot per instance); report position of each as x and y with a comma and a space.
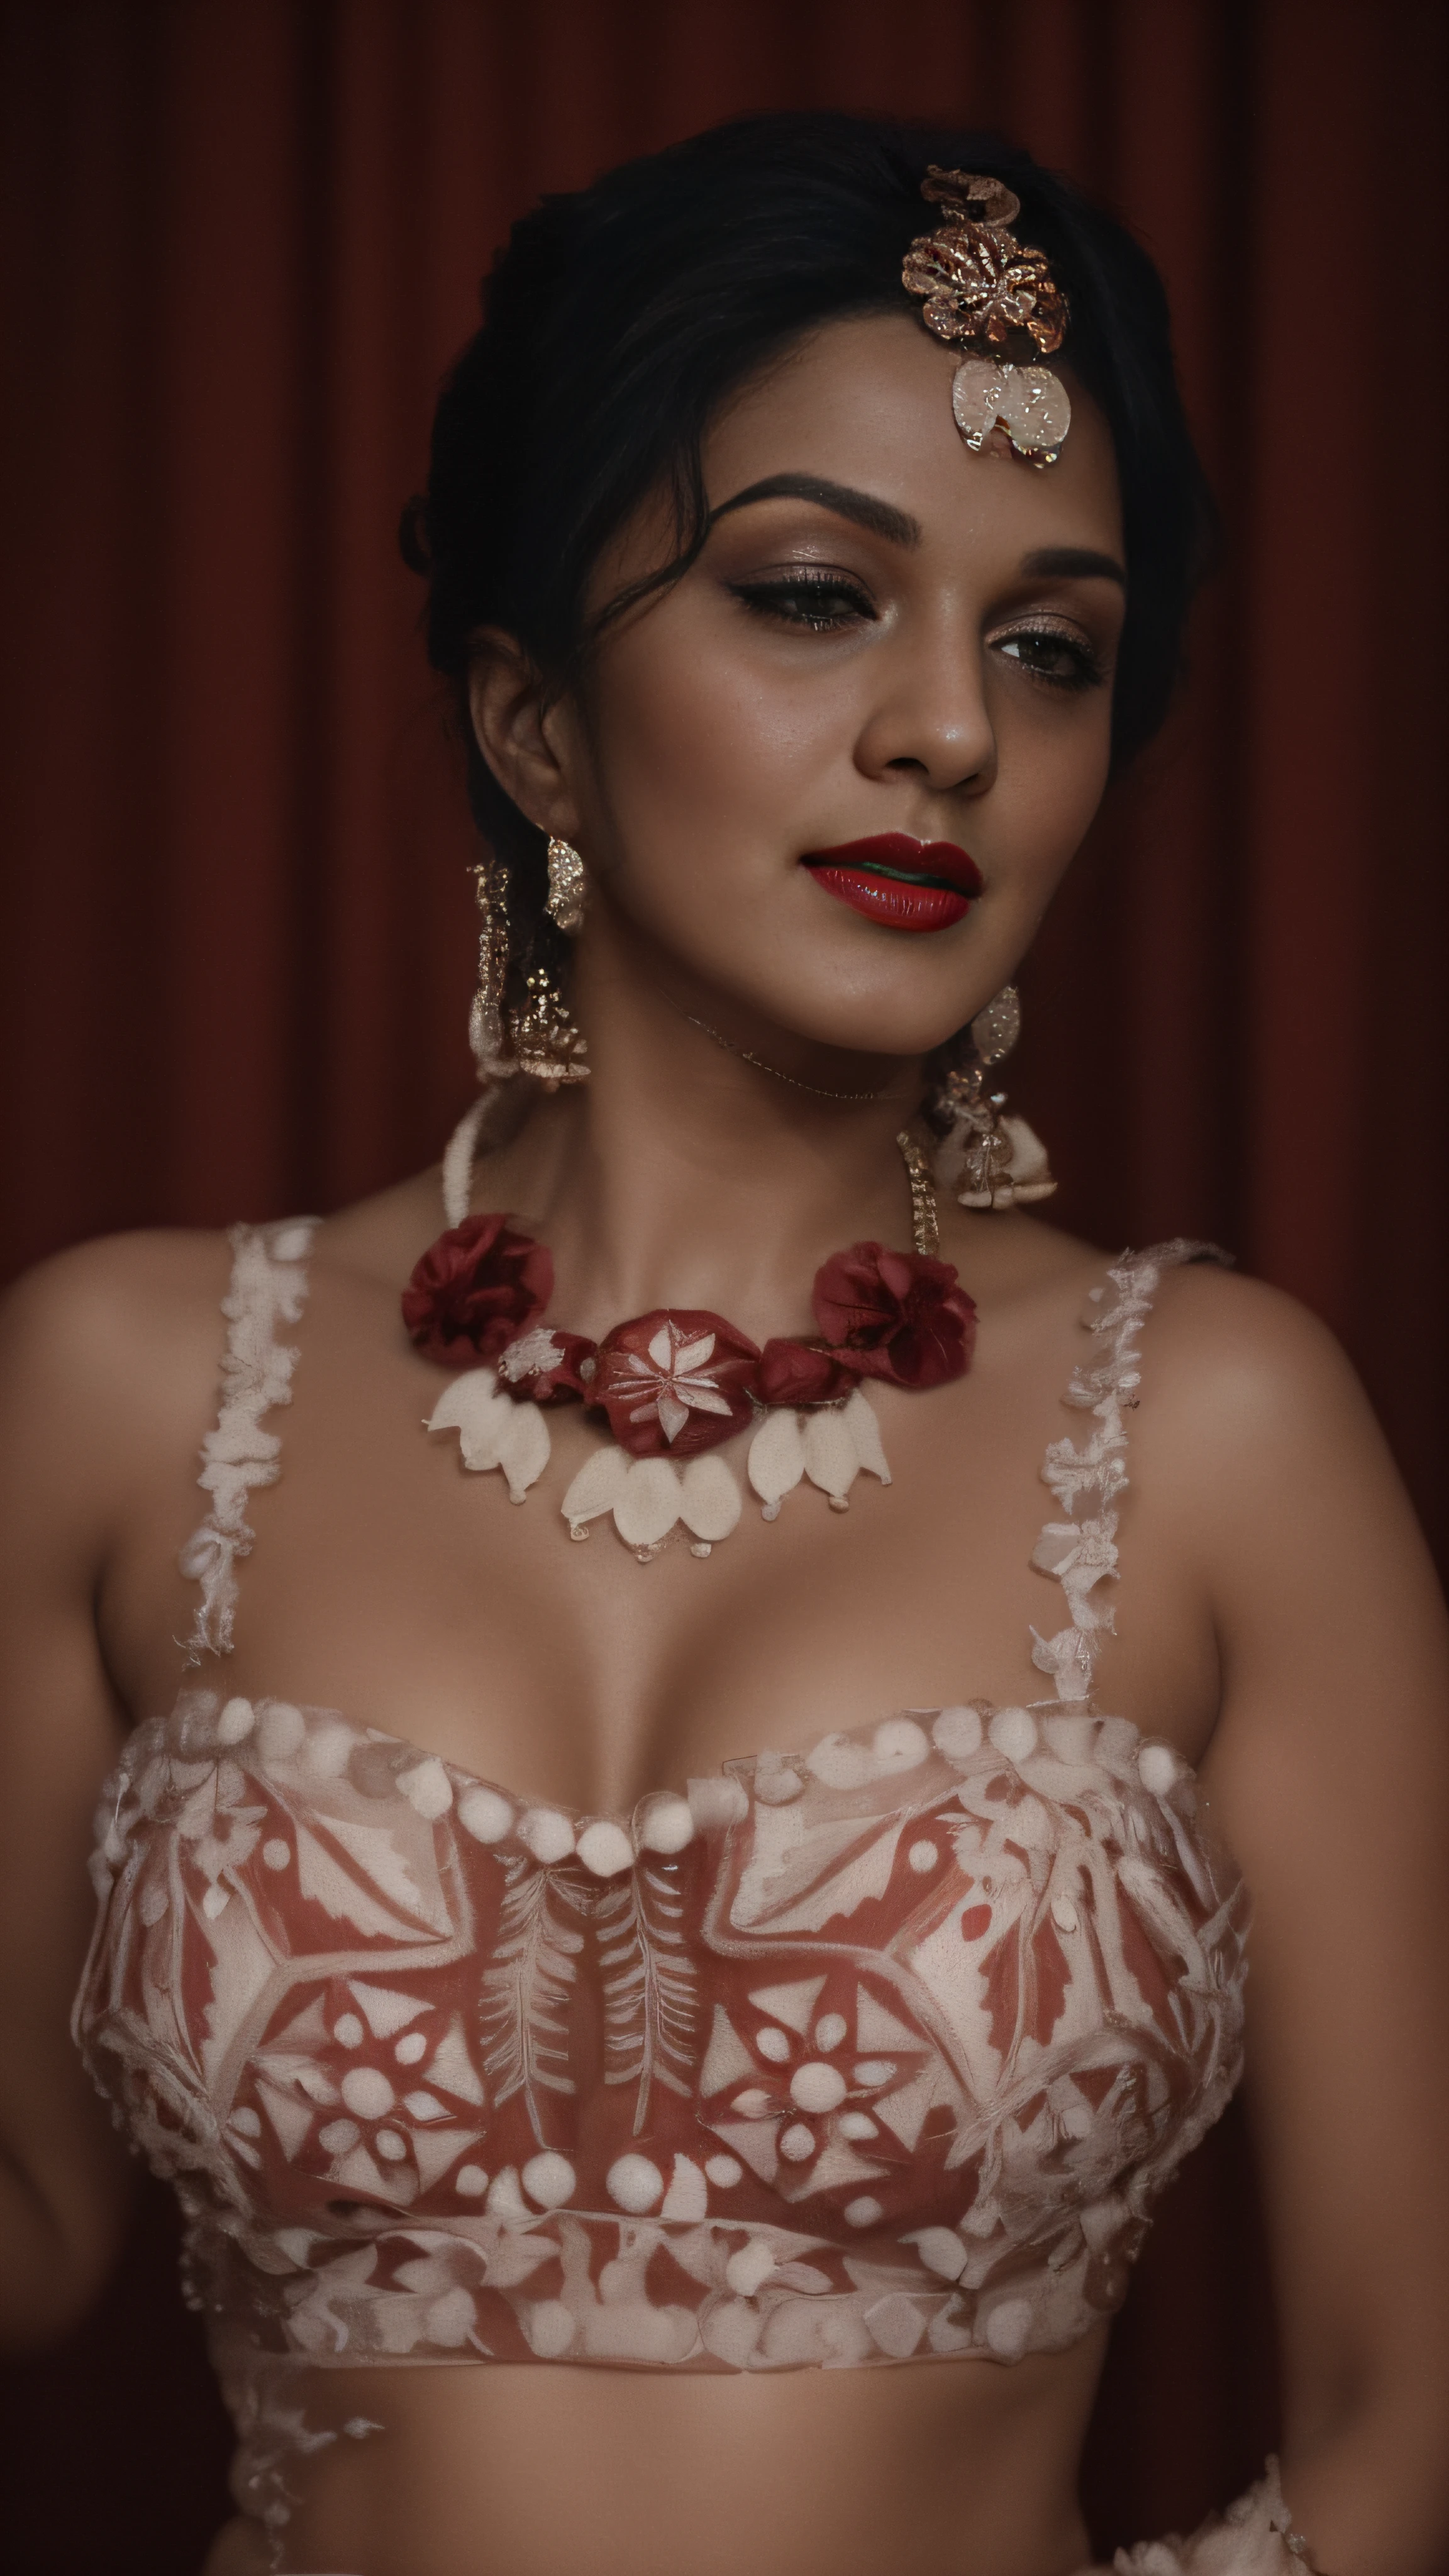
597, 1486
648, 1506
831, 1457
865, 1432
776, 1461
705, 1398
464, 1400
481, 1416
693, 1354
712, 1499
482, 1440
1028, 1153
524, 1449
672, 1414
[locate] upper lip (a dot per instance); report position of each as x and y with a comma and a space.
901, 853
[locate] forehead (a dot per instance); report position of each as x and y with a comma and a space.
867, 402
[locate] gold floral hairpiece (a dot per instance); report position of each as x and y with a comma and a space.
980, 286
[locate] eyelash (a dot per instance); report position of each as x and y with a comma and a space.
1087, 671
770, 598
786, 602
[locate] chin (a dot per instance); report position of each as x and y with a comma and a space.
897, 1018
896, 1034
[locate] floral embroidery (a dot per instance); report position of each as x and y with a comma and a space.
890, 2045
677, 1380
882, 2049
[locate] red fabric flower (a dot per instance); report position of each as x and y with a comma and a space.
548, 1366
803, 1373
475, 1290
674, 1382
896, 1315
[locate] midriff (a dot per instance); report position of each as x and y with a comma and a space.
951, 2468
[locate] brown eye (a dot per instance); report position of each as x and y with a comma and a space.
1063, 661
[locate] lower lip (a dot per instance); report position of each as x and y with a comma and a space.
888, 900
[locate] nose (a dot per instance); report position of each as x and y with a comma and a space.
929, 719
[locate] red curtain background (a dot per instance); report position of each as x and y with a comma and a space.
242, 241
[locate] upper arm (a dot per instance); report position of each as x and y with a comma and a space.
1328, 1776
80, 1344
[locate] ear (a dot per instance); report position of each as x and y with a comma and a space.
520, 733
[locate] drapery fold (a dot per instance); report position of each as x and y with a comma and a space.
243, 240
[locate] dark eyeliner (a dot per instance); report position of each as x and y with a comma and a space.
1089, 671
771, 598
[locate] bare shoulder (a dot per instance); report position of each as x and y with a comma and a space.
1257, 1436
1222, 1344
1247, 1369
117, 1299
1247, 1403
107, 1353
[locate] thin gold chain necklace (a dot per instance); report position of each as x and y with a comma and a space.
815, 1089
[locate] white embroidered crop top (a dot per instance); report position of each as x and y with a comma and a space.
877, 2051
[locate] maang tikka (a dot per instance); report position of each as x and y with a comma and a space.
981, 287
992, 1162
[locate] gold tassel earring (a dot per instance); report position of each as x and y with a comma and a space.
485, 1020
991, 1161
546, 1040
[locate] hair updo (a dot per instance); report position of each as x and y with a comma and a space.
619, 318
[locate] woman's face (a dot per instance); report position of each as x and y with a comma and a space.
884, 635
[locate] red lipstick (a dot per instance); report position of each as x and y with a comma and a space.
902, 883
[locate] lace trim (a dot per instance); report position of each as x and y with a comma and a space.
1254, 2537
274, 2434
268, 1287
1082, 1551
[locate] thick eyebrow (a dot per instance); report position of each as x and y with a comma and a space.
1074, 563
880, 517
883, 519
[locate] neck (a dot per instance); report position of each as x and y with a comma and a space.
684, 1174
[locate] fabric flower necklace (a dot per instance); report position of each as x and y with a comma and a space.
677, 1382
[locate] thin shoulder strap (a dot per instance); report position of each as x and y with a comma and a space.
1081, 1551
268, 1287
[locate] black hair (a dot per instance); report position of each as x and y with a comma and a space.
617, 320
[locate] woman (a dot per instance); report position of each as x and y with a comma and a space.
583, 2168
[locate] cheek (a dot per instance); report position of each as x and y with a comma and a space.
686, 729
1051, 772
